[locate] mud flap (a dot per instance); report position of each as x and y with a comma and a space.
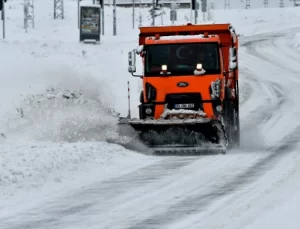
189, 136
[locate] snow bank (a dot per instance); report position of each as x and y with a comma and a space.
60, 115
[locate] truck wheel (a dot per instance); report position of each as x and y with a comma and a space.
229, 117
237, 129
237, 116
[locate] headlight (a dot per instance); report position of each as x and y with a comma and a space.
215, 89
150, 92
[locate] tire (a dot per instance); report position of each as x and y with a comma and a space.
237, 131
237, 116
229, 118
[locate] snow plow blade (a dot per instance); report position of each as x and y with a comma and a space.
179, 137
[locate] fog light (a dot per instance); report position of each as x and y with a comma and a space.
219, 108
148, 111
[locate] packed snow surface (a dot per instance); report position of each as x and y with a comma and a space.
60, 102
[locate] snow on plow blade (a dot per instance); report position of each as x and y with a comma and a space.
187, 136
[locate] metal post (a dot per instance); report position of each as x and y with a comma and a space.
33, 14
102, 18
191, 11
78, 13
3, 19
196, 12
115, 19
153, 12
25, 15
133, 6
129, 113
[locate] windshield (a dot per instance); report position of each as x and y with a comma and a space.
181, 59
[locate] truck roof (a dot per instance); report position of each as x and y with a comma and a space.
181, 39
224, 31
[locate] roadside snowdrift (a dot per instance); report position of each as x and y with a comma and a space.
61, 115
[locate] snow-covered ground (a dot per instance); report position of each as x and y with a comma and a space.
59, 100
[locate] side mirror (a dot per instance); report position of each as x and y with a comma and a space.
232, 58
140, 49
232, 65
131, 61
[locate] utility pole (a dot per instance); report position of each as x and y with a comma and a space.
153, 12
78, 13
133, 16
3, 18
247, 4
196, 13
266, 3
114, 19
102, 16
59, 9
101, 3
227, 4
204, 8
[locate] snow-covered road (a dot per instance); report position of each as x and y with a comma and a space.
58, 171
230, 191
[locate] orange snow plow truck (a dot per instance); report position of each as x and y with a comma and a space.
190, 96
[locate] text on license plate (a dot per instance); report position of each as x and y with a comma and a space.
187, 105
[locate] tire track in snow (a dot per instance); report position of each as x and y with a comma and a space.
270, 106
110, 189
274, 68
198, 202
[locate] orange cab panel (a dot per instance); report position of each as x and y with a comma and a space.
181, 90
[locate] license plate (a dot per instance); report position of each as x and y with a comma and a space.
187, 105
